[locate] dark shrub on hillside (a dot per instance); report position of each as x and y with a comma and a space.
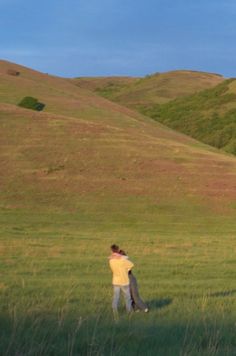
29, 102
13, 72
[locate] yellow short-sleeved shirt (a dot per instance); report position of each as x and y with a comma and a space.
120, 268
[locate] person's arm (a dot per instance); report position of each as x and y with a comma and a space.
128, 264
110, 264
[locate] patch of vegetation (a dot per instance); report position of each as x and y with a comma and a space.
13, 72
109, 90
55, 168
201, 116
28, 102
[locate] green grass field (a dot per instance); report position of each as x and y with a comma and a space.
87, 173
56, 284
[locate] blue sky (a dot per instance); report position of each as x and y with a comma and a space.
119, 37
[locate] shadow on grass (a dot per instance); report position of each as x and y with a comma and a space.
159, 303
64, 335
226, 293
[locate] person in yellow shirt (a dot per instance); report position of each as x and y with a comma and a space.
137, 302
120, 268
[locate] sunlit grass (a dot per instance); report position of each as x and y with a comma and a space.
56, 285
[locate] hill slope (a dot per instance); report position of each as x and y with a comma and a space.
209, 116
60, 95
178, 100
105, 86
153, 89
73, 157
85, 144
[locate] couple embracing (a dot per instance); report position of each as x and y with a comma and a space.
124, 280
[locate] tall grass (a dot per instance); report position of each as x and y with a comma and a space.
56, 285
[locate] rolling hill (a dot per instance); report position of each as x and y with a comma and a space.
83, 143
201, 105
208, 116
60, 95
153, 89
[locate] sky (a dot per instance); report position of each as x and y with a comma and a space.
74, 38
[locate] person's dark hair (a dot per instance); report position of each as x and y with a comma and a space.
115, 248
122, 252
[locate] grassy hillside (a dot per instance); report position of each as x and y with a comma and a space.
158, 88
202, 105
86, 173
209, 116
60, 95
105, 86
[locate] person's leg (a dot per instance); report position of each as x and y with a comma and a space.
128, 302
131, 295
115, 301
132, 300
